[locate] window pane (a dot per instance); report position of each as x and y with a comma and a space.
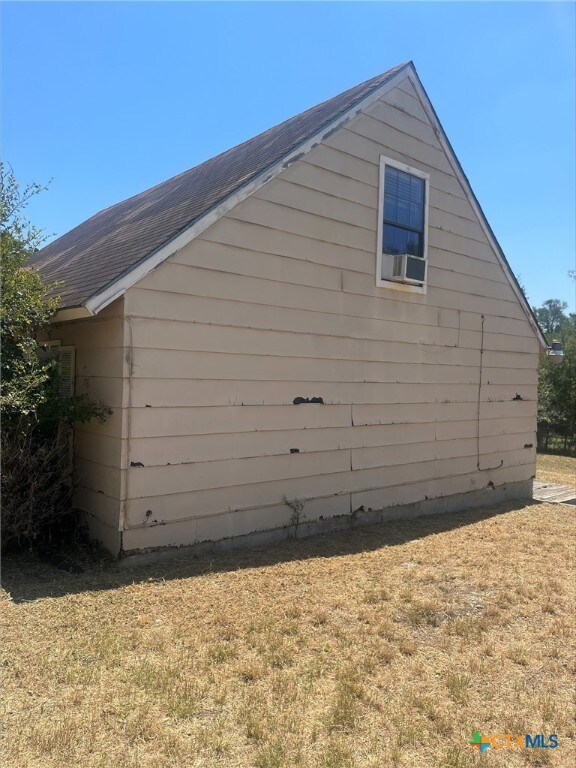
403, 216
399, 240
416, 216
403, 198
391, 181
416, 189
390, 208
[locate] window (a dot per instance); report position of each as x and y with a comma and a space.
66, 357
402, 238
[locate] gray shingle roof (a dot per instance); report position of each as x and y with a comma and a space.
111, 243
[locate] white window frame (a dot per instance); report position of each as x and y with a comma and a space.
394, 284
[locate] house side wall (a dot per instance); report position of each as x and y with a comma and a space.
99, 449
277, 300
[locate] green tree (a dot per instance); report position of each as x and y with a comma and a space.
557, 382
36, 419
551, 316
27, 307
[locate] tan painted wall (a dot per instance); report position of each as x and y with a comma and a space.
278, 300
100, 448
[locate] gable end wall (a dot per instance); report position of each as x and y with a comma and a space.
277, 300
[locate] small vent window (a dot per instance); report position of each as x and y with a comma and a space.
67, 369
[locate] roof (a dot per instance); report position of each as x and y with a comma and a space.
113, 242
97, 261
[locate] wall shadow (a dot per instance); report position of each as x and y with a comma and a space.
26, 578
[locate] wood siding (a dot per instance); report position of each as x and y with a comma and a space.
100, 449
278, 300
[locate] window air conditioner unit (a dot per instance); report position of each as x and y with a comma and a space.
405, 268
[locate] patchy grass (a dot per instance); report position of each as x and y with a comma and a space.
556, 469
369, 648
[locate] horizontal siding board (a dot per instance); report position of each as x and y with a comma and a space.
386, 136
440, 297
179, 364
228, 524
205, 283
472, 321
182, 393
478, 286
405, 102
458, 206
152, 451
259, 238
519, 377
346, 164
179, 308
158, 421
386, 116
412, 413
443, 297
449, 221
440, 487
331, 182
230, 418
94, 333
391, 455
112, 427
189, 504
499, 342
105, 450
510, 409
105, 508
442, 284
465, 265
240, 261
99, 477
108, 390
499, 359
180, 478
104, 362
180, 449
453, 430
310, 225
156, 334
300, 198
466, 247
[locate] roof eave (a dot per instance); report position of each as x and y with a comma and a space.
72, 313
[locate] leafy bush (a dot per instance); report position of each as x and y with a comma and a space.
37, 421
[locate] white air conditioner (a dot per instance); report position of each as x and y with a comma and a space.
404, 268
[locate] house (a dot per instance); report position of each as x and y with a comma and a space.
314, 328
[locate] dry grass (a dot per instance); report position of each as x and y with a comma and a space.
370, 648
556, 469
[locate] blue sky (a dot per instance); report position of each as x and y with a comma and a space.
108, 99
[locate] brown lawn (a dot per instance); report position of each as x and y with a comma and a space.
385, 646
556, 469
